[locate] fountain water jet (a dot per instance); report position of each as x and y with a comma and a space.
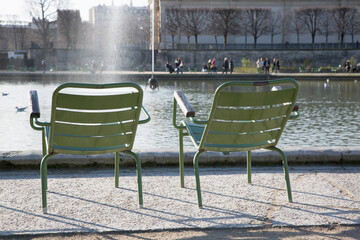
153, 82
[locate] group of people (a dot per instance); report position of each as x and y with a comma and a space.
210, 67
179, 66
349, 68
266, 63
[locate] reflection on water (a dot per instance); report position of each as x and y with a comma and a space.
329, 114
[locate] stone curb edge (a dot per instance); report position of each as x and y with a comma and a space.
170, 157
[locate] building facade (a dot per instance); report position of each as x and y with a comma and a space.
164, 40
120, 26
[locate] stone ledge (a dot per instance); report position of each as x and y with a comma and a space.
167, 157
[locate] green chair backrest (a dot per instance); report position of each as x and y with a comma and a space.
248, 115
94, 118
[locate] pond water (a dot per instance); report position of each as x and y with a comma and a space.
330, 114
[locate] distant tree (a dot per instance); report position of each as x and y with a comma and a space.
173, 18
69, 24
19, 29
256, 21
326, 24
284, 25
297, 26
214, 28
43, 13
342, 18
14, 22
309, 18
195, 22
354, 23
274, 25
22, 30
225, 21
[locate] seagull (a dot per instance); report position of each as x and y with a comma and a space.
20, 109
5, 93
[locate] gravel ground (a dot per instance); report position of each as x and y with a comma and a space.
310, 233
83, 204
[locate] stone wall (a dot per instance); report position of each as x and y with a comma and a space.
79, 59
141, 59
288, 58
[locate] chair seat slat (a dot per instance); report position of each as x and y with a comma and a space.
94, 117
92, 142
93, 102
244, 127
236, 139
250, 114
94, 130
243, 99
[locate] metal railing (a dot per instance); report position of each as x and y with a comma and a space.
261, 46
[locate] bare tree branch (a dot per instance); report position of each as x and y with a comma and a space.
226, 22
43, 12
309, 17
256, 21
326, 24
274, 25
342, 16
69, 22
354, 23
195, 22
173, 20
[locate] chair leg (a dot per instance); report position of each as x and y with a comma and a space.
117, 162
197, 177
248, 163
43, 177
43, 142
138, 173
286, 171
181, 157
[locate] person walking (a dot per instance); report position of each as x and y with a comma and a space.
273, 69
348, 66
169, 68
204, 67
176, 64
213, 65
225, 66
181, 65
43, 64
267, 65
209, 66
260, 64
231, 65
278, 64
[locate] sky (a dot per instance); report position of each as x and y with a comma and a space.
19, 7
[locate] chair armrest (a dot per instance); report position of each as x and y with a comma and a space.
147, 116
35, 111
295, 112
184, 104
34, 104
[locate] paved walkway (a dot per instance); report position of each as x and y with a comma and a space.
86, 200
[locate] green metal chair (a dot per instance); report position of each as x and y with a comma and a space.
90, 119
244, 116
